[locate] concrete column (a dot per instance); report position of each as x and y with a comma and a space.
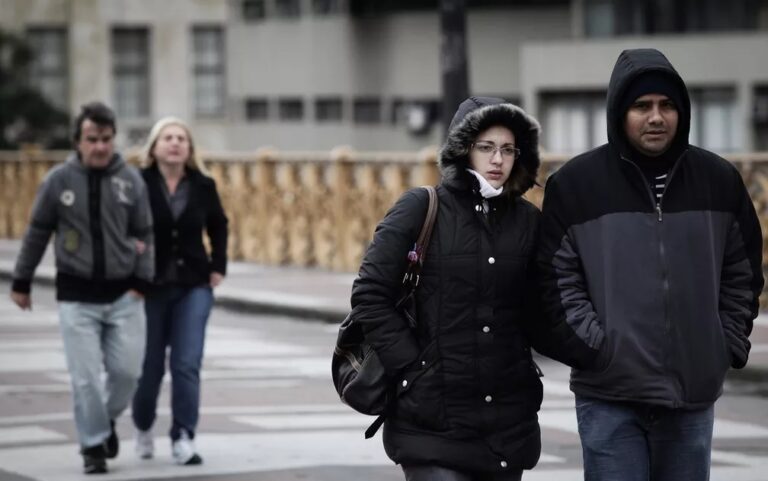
745, 100
90, 70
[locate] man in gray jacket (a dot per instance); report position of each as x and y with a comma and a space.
98, 207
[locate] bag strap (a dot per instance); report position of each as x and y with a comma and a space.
419, 252
371, 431
411, 280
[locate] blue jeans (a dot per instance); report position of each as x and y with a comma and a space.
641, 442
176, 318
105, 337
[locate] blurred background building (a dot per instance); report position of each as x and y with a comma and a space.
314, 74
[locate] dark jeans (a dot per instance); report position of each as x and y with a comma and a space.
176, 318
438, 473
637, 442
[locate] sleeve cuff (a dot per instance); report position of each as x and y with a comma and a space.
23, 286
141, 285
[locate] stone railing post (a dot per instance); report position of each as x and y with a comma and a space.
342, 190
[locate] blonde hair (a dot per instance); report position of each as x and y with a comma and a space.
193, 162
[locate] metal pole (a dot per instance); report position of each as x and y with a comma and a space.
453, 57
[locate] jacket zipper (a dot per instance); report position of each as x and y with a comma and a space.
662, 254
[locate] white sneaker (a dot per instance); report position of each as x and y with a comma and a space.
145, 444
184, 451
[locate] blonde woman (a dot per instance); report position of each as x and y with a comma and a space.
185, 204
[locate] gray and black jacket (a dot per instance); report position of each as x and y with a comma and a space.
97, 216
468, 390
653, 304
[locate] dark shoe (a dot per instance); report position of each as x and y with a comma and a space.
112, 444
183, 450
94, 460
195, 460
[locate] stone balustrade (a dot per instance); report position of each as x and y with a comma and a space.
307, 208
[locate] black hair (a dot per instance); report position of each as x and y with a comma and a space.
96, 112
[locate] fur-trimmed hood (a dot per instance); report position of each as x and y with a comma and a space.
477, 114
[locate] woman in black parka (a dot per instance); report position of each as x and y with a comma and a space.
468, 389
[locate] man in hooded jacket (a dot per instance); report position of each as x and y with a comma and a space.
98, 208
650, 264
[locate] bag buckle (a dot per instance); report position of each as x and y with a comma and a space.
408, 277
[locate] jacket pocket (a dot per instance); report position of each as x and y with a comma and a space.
420, 392
704, 362
604, 357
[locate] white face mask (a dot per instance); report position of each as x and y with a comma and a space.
486, 189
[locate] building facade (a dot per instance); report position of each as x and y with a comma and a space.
315, 74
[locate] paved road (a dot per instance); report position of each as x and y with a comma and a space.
269, 411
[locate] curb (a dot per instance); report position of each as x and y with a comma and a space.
307, 313
235, 300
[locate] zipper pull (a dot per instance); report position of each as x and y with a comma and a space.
658, 210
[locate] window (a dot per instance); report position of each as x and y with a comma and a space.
629, 17
328, 109
208, 71
48, 72
598, 18
290, 108
760, 118
256, 109
367, 110
574, 122
130, 71
254, 9
287, 8
416, 115
713, 119
328, 7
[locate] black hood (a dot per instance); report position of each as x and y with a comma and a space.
477, 114
629, 65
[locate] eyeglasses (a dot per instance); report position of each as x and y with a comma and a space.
488, 149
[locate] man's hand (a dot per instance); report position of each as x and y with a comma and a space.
216, 279
136, 294
23, 300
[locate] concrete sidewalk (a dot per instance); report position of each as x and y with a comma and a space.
315, 294
306, 293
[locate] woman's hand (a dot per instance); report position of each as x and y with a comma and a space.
216, 279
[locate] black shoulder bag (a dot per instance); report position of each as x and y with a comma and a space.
357, 372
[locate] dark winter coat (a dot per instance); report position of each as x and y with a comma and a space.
656, 304
181, 240
468, 390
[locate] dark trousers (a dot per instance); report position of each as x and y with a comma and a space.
439, 473
176, 318
635, 442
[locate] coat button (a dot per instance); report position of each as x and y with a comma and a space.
491, 260
486, 329
503, 464
488, 398
405, 382
478, 207
175, 233
180, 262
423, 363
